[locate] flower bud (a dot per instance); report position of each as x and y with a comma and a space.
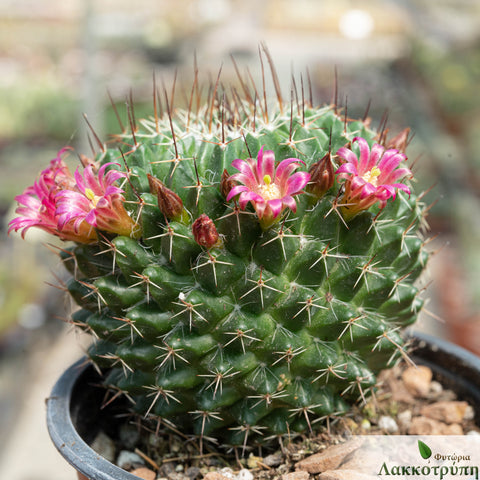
154, 183
226, 183
204, 231
322, 177
169, 203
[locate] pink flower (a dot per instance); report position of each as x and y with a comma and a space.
97, 201
37, 204
370, 178
72, 207
270, 189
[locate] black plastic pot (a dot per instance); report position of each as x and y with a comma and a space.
74, 415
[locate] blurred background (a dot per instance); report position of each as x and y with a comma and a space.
416, 62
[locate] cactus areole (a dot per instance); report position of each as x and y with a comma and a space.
245, 270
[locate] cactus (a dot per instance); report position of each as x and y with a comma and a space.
245, 270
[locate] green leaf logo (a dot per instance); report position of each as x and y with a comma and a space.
425, 450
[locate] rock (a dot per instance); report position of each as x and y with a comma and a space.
144, 473
127, 459
300, 475
404, 419
330, 458
429, 426
454, 429
395, 386
166, 469
104, 446
469, 413
215, 476
244, 474
448, 412
473, 433
345, 475
176, 476
192, 472
387, 424
417, 380
358, 461
436, 389
273, 460
227, 472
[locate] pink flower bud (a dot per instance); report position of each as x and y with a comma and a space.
322, 176
205, 232
226, 183
169, 203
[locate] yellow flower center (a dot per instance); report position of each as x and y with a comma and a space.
269, 190
91, 196
371, 176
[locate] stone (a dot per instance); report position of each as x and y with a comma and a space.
192, 472
429, 426
300, 475
228, 472
244, 474
273, 460
454, 429
436, 389
404, 419
395, 386
358, 461
387, 424
330, 458
144, 473
345, 475
104, 446
127, 459
176, 476
469, 413
215, 476
166, 469
448, 412
417, 380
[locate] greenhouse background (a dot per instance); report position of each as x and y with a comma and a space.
412, 63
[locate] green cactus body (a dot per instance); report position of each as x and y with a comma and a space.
274, 326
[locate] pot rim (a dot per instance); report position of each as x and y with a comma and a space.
65, 436
95, 467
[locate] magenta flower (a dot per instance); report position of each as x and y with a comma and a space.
270, 189
97, 201
370, 178
72, 207
37, 204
